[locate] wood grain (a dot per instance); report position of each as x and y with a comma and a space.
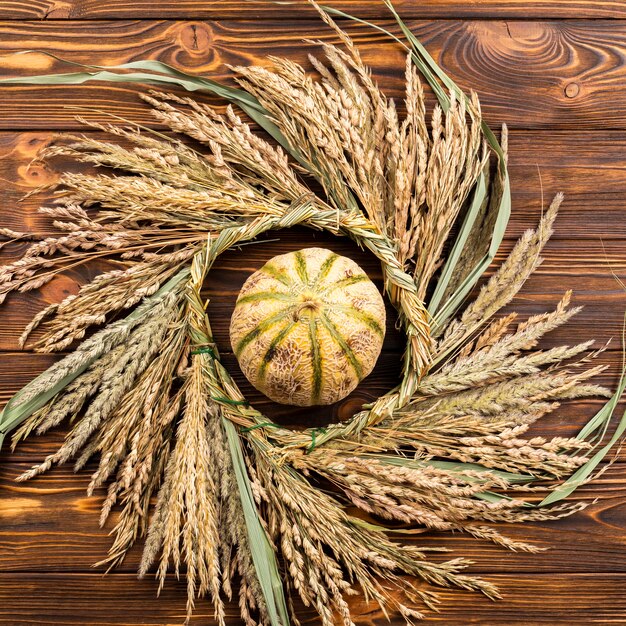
556, 74
565, 422
259, 9
40, 599
589, 166
51, 521
585, 268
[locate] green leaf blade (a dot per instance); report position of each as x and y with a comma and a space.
263, 555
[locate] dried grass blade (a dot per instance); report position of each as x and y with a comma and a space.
582, 474
454, 466
602, 418
480, 195
456, 299
599, 421
167, 75
263, 554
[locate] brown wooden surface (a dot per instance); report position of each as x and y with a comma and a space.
529, 74
560, 84
297, 9
588, 165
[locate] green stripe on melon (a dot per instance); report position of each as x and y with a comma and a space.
316, 357
264, 295
325, 269
261, 328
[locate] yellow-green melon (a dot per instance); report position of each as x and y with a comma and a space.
307, 327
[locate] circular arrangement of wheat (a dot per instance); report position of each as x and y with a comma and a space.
242, 503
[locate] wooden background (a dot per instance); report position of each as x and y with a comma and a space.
554, 71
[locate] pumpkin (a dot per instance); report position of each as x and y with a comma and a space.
307, 327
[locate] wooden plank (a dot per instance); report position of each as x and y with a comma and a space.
51, 522
588, 166
585, 267
565, 421
537, 599
19, 369
259, 9
528, 74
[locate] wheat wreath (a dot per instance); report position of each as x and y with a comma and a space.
240, 498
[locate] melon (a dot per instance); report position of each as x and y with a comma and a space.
307, 327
